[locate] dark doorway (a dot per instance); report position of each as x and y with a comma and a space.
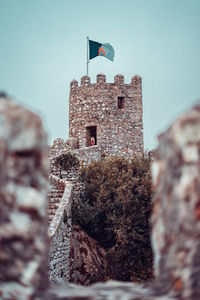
91, 136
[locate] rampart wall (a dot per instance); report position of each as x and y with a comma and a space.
60, 233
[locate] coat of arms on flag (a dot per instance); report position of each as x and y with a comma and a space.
99, 49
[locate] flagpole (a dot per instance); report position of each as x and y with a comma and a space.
87, 54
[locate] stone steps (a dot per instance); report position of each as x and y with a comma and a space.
54, 197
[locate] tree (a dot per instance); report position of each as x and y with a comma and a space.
115, 208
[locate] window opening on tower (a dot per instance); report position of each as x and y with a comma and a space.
120, 102
91, 136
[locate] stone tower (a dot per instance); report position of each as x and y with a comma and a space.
107, 116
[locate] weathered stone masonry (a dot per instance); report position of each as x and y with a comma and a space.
23, 185
23, 234
109, 112
60, 233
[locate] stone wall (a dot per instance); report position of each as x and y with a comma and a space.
55, 187
87, 154
176, 214
58, 146
23, 186
60, 233
73, 255
119, 128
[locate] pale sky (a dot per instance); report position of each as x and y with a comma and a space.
43, 48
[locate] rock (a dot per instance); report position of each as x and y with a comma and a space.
23, 184
87, 258
176, 213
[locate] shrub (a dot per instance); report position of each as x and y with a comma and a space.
67, 161
114, 208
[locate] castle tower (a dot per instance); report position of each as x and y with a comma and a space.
107, 116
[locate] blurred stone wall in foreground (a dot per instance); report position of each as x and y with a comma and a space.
23, 192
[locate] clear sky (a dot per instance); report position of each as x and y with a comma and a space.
43, 48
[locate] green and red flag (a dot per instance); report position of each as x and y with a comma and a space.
99, 49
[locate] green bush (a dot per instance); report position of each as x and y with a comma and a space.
115, 208
67, 161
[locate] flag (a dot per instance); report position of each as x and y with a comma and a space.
99, 49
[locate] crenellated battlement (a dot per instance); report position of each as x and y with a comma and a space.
108, 115
101, 79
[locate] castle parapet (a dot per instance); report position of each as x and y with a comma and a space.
136, 81
119, 79
101, 78
74, 84
85, 81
